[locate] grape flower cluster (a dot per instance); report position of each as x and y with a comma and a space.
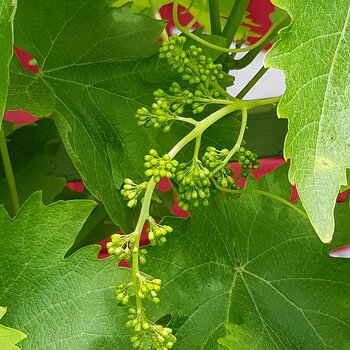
132, 191
248, 160
194, 66
159, 167
149, 334
194, 185
213, 158
156, 232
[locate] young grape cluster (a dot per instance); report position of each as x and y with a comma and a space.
194, 66
149, 289
159, 167
121, 292
122, 246
213, 158
156, 233
194, 185
148, 334
132, 191
159, 117
248, 160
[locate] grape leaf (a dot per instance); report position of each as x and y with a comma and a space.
32, 150
59, 303
316, 103
234, 262
91, 77
7, 13
9, 337
92, 80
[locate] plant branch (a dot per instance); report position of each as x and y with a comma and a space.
214, 117
234, 20
9, 173
252, 82
215, 21
256, 48
144, 214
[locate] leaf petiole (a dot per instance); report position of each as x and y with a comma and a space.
9, 173
263, 193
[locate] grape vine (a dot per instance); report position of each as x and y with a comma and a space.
194, 178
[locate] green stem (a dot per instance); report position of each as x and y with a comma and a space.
237, 144
144, 214
234, 20
186, 120
263, 193
214, 117
221, 90
198, 15
259, 45
196, 148
215, 21
252, 82
9, 173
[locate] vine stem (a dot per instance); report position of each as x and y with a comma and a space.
214, 117
144, 215
263, 193
194, 134
9, 173
252, 82
234, 20
196, 148
215, 21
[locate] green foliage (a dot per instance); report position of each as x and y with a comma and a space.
245, 270
315, 103
232, 262
9, 337
42, 289
95, 71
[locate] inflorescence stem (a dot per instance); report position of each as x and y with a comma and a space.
237, 144
196, 133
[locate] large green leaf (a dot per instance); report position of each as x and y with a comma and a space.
7, 13
235, 263
92, 74
9, 337
59, 303
313, 52
33, 150
92, 77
